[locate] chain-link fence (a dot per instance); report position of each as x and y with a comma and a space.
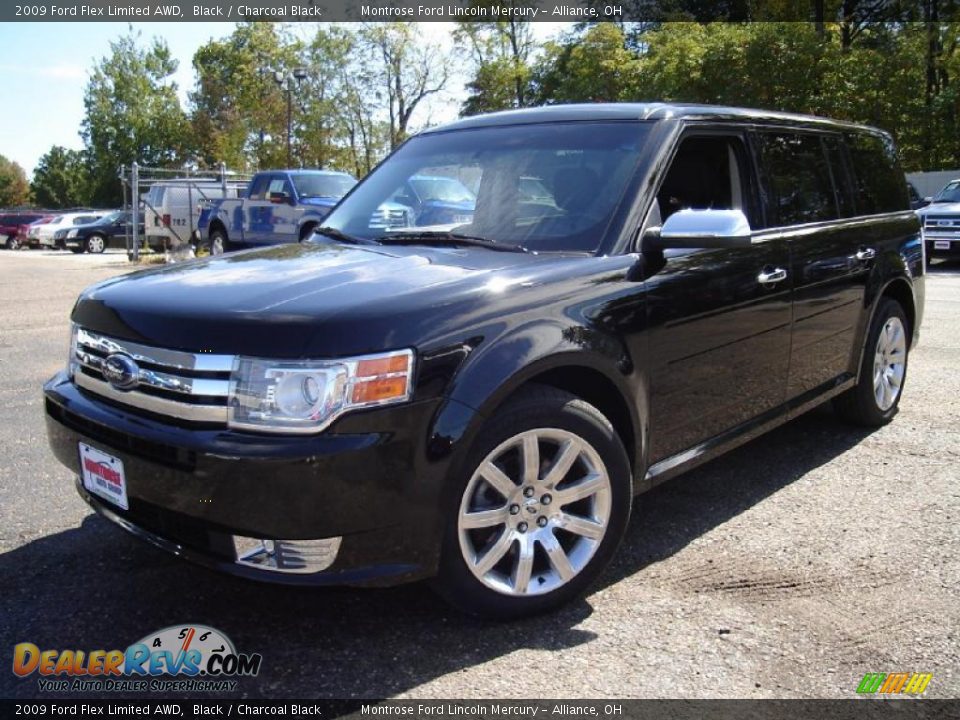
165, 204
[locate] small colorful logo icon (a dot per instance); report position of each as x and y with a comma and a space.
902, 683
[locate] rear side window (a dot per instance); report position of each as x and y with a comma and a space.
879, 181
843, 184
798, 178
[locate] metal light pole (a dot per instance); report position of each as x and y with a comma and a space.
285, 82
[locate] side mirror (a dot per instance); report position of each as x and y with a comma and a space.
279, 198
929, 198
692, 229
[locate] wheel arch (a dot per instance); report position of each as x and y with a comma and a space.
593, 378
899, 289
218, 224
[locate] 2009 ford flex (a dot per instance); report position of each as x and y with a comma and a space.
478, 402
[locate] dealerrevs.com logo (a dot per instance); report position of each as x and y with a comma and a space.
177, 658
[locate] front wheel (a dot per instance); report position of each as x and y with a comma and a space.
12, 242
875, 398
542, 506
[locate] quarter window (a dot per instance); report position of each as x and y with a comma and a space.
799, 186
880, 185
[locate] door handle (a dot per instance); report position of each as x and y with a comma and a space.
771, 276
865, 253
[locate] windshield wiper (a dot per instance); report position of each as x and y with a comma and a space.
341, 236
311, 195
449, 238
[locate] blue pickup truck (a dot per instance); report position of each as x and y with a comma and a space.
280, 206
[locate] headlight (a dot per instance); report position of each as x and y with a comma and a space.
72, 234
59, 234
72, 363
306, 396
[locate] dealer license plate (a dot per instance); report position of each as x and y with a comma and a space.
102, 474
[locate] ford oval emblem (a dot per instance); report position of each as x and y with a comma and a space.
121, 371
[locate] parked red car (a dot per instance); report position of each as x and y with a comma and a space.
13, 228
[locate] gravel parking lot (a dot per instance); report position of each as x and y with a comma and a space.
788, 568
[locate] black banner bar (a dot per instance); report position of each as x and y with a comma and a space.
439, 10
854, 709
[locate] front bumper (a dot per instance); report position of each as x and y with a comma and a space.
190, 491
949, 246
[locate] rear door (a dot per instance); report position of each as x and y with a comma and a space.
720, 318
810, 200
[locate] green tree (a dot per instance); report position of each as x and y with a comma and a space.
132, 114
406, 70
14, 190
596, 66
238, 111
326, 98
61, 179
500, 52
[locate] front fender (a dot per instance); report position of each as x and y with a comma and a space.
495, 370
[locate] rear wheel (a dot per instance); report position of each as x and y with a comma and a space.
12, 242
542, 507
219, 244
876, 397
95, 244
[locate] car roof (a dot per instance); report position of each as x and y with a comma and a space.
305, 171
651, 111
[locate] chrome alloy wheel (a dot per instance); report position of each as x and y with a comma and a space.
95, 244
534, 512
889, 363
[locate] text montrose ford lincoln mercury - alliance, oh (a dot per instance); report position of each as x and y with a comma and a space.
476, 396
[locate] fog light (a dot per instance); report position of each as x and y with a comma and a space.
290, 556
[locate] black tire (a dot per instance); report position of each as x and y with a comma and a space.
548, 410
859, 405
95, 244
307, 232
219, 243
12, 242
77, 250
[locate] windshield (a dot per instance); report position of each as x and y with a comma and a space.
332, 186
949, 194
109, 219
545, 187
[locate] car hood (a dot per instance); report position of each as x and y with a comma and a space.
320, 201
310, 300
940, 209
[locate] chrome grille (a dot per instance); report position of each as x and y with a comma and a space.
181, 385
387, 218
940, 223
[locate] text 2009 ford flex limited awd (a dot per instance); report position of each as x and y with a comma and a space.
629, 291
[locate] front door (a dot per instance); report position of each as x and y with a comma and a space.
719, 318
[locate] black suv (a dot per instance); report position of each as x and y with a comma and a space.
479, 402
